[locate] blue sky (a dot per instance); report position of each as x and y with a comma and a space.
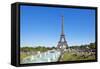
41, 26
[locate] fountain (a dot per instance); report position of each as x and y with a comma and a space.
49, 56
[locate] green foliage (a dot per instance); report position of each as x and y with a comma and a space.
39, 48
76, 57
90, 46
85, 56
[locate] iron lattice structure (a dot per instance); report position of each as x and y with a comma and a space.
62, 44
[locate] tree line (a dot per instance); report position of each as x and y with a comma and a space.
39, 48
43, 48
89, 46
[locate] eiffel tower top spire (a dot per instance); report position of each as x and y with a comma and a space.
62, 26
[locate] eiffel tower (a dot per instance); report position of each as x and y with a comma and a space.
62, 44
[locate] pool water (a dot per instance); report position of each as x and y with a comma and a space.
49, 56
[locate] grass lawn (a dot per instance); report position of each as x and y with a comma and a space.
73, 57
23, 55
